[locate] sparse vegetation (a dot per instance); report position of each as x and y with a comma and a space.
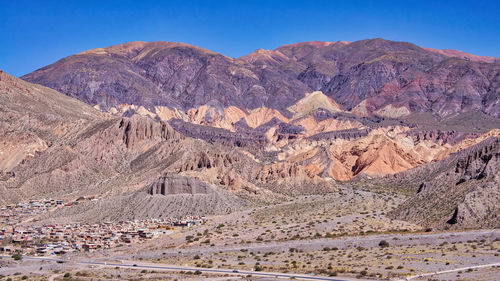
383, 244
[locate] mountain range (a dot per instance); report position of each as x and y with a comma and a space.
169, 129
368, 77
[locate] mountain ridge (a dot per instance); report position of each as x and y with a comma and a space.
183, 76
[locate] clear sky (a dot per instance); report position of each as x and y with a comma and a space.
37, 33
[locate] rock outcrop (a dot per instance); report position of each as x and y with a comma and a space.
461, 191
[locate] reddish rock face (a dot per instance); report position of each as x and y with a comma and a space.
374, 73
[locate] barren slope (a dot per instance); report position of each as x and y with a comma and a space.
461, 191
69, 149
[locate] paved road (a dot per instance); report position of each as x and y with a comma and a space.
451, 270
130, 264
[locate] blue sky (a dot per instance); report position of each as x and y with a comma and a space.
37, 33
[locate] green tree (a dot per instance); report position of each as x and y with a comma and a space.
17, 256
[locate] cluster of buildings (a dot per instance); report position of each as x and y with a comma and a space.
17, 213
18, 236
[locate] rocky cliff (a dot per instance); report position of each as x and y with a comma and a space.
460, 191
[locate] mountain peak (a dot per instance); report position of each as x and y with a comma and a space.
317, 44
312, 102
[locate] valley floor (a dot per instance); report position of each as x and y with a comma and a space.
337, 236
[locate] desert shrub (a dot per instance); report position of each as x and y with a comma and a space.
17, 256
383, 244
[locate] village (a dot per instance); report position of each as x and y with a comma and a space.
56, 239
